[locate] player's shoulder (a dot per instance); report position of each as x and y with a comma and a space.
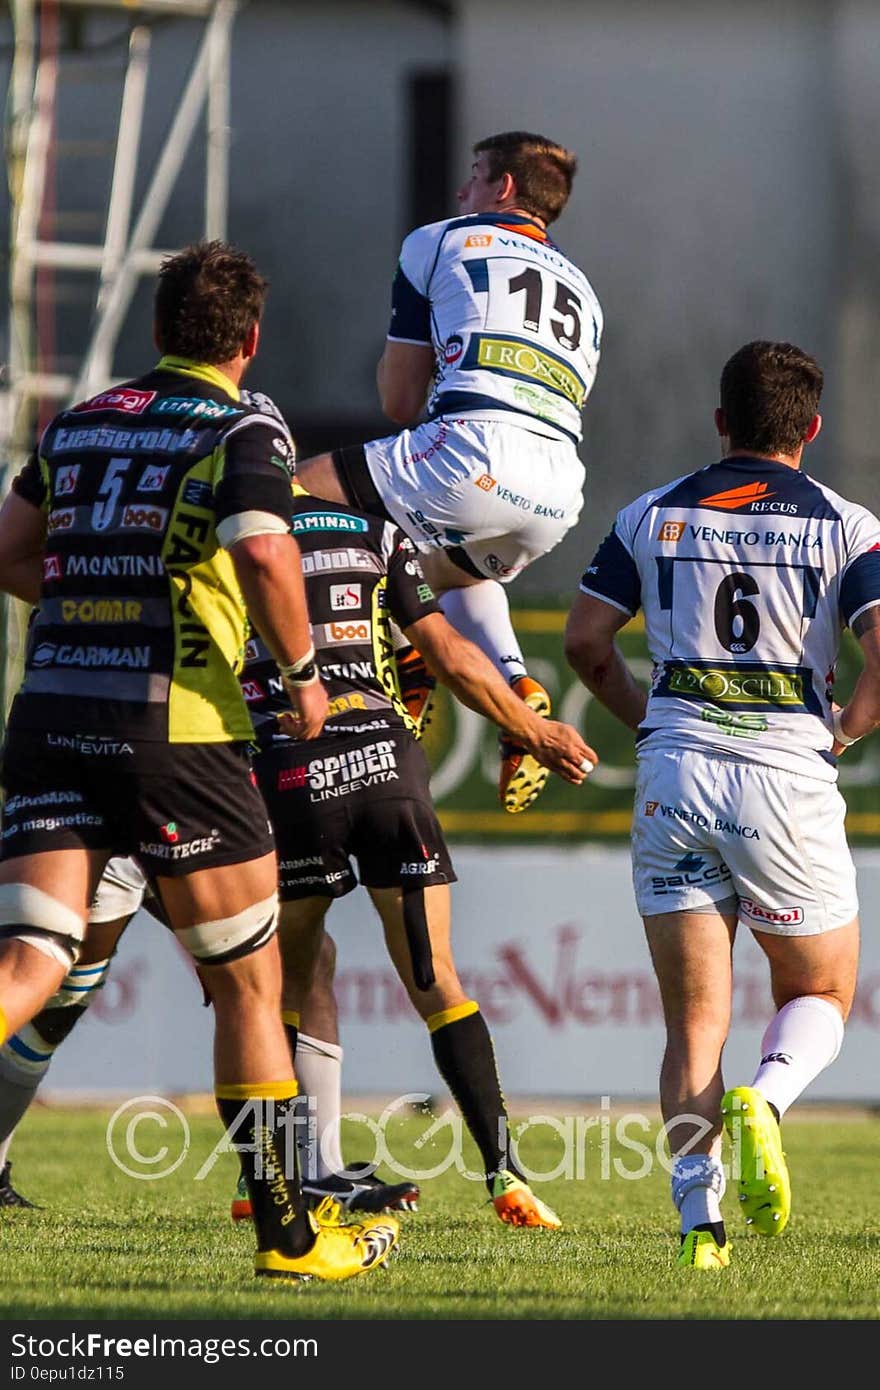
432, 235
848, 511
630, 516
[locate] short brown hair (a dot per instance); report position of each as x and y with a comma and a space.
208, 298
542, 170
769, 394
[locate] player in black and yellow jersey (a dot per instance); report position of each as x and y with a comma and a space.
360, 793
153, 519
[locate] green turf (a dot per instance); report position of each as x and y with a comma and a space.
106, 1245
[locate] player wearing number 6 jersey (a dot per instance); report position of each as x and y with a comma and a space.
505, 330
747, 571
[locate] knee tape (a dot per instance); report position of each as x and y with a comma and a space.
227, 938
120, 892
28, 914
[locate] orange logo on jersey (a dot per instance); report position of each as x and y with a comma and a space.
478, 239
485, 481
671, 531
651, 807
736, 497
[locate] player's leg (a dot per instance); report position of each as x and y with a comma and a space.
309, 963
691, 953
216, 875
685, 894
478, 608
416, 922
26, 1056
798, 896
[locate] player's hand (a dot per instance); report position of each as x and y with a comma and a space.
561, 748
309, 708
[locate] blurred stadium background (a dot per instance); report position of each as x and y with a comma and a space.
728, 190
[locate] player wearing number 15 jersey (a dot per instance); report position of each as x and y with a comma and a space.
505, 330
747, 571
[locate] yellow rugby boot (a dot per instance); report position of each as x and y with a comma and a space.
764, 1185
700, 1250
339, 1252
517, 1205
522, 777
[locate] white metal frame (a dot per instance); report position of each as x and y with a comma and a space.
127, 252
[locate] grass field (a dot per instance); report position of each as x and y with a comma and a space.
108, 1246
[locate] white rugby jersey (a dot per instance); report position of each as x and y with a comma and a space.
515, 326
747, 572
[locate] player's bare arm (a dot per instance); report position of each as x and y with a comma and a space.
861, 714
269, 571
22, 538
403, 376
595, 658
472, 678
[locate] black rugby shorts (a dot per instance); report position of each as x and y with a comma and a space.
361, 797
175, 807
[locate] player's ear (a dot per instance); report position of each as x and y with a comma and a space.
506, 189
813, 429
720, 423
251, 342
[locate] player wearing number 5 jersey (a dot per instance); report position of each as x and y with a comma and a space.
747, 571
505, 330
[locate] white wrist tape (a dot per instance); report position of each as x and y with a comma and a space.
299, 668
837, 728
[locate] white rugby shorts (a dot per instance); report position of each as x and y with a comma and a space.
120, 892
500, 492
707, 828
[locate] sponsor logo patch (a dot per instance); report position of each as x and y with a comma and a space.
51, 567
759, 687
328, 521
671, 531
486, 482
65, 479
337, 634
345, 596
478, 239
129, 401
453, 349
153, 478
101, 610
521, 359
136, 518
61, 519
773, 916
198, 494
192, 405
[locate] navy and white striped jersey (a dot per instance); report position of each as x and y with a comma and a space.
747, 572
515, 326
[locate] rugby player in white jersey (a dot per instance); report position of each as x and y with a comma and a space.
747, 571
498, 332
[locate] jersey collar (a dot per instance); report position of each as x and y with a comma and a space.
201, 370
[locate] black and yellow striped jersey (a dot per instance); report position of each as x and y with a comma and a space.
141, 626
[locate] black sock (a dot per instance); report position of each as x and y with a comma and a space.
465, 1059
716, 1227
272, 1173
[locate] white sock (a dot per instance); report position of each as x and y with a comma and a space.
697, 1188
318, 1068
481, 613
801, 1041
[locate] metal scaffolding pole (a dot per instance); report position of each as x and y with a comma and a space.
116, 262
